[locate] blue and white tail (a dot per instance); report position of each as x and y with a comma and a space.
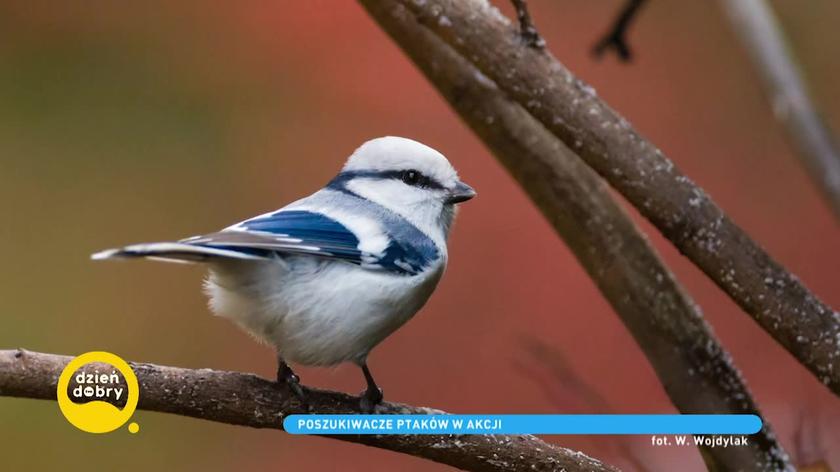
181, 252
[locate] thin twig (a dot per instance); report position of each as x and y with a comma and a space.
527, 30
808, 328
754, 23
247, 400
616, 37
695, 370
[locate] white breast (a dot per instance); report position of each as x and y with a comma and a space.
315, 311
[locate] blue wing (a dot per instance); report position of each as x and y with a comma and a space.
288, 232
408, 252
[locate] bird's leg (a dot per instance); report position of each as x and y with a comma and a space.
373, 395
286, 376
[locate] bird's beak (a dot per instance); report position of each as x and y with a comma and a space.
461, 193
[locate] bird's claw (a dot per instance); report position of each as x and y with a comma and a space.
369, 399
286, 377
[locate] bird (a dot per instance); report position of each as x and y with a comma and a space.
325, 279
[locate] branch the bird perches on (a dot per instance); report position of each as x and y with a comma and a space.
248, 400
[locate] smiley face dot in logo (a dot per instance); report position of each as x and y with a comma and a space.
133, 428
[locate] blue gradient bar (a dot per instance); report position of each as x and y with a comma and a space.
522, 424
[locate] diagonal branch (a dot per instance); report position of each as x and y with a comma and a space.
527, 29
695, 370
248, 400
616, 37
755, 25
781, 304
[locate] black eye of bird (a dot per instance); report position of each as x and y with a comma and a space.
415, 178
411, 177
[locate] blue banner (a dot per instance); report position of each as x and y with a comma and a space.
522, 424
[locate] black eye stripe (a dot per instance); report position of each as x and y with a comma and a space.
417, 180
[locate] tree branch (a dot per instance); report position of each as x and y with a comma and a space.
248, 400
808, 328
755, 25
616, 37
527, 30
696, 372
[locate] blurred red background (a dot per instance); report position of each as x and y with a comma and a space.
122, 123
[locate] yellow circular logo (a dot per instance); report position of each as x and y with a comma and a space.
96, 388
